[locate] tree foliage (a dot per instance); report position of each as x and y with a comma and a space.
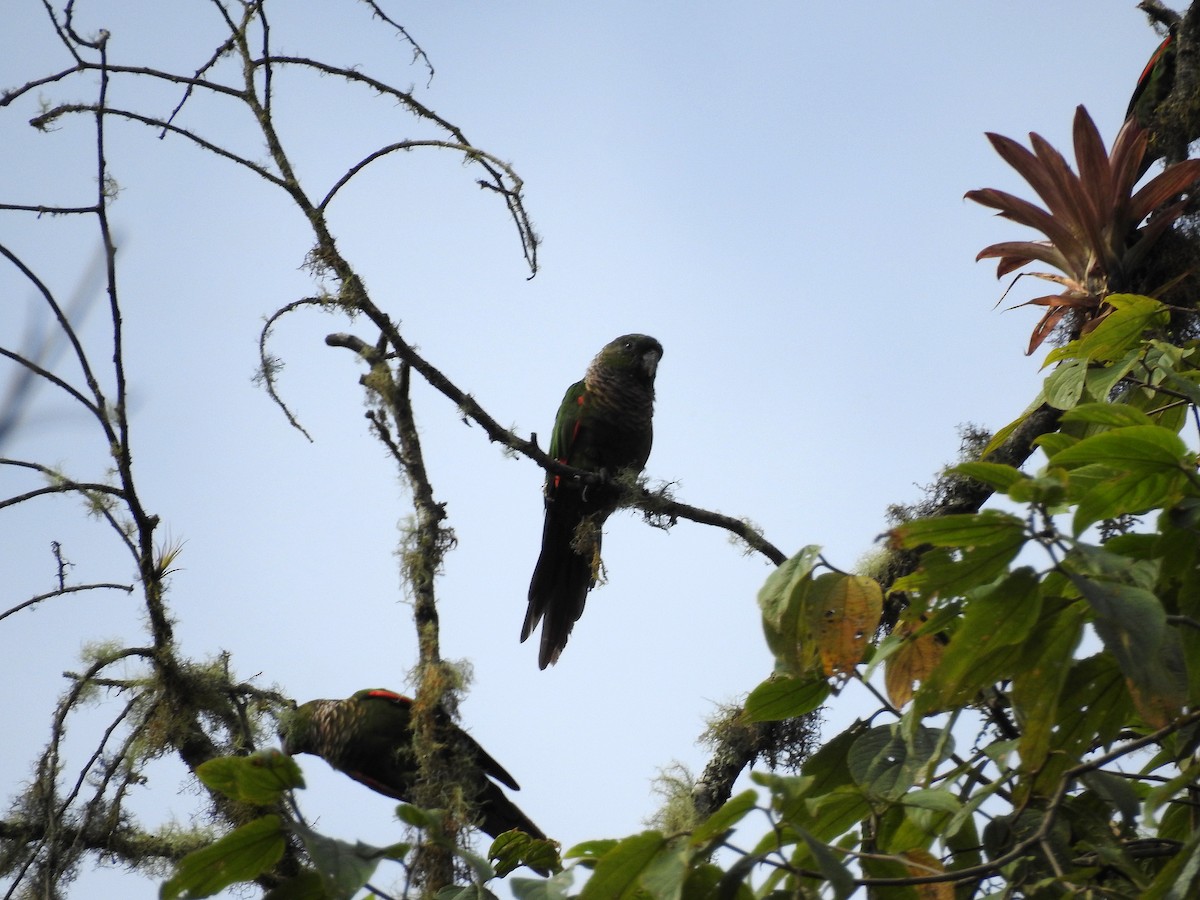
1035, 665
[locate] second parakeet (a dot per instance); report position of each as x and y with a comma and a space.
369, 737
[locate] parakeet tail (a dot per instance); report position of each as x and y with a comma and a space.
500, 815
561, 579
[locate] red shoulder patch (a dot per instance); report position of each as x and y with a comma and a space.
383, 694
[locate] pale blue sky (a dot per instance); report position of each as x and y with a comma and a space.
771, 189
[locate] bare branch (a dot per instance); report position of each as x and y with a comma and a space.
63, 591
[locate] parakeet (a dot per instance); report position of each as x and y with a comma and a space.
1152, 88
368, 737
603, 425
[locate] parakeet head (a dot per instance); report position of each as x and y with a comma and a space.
294, 729
637, 354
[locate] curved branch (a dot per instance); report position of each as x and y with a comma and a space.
472, 153
64, 109
269, 366
494, 167
73, 589
66, 487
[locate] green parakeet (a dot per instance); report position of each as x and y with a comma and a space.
603, 425
368, 737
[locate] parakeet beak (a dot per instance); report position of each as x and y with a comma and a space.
650, 361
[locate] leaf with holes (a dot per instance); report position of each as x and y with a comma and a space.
885, 765
844, 616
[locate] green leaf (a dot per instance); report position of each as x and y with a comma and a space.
242, 855
260, 779
983, 529
417, 817
834, 813
479, 866
1122, 493
997, 475
884, 764
1180, 878
590, 851
785, 697
1184, 383
1118, 333
666, 873
618, 871
1064, 386
950, 573
936, 799
1145, 449
781, 601
703, 882
892, 868
1132, 624
1125, 470
924, 816
989, 541
1007, 431
307, 884
830, 866
1102, 378
1040, 674
1112, 564
1055, 442
984, 649
515, 848
344, 867
1093, 709
729, 814
556, 887
465, 892
827, 767
1048, 488
1116, 415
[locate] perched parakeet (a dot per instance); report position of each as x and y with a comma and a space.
1152, 88
368, 737
603, 425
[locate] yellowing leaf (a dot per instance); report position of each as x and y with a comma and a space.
846, 620
917, 657
922, 862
